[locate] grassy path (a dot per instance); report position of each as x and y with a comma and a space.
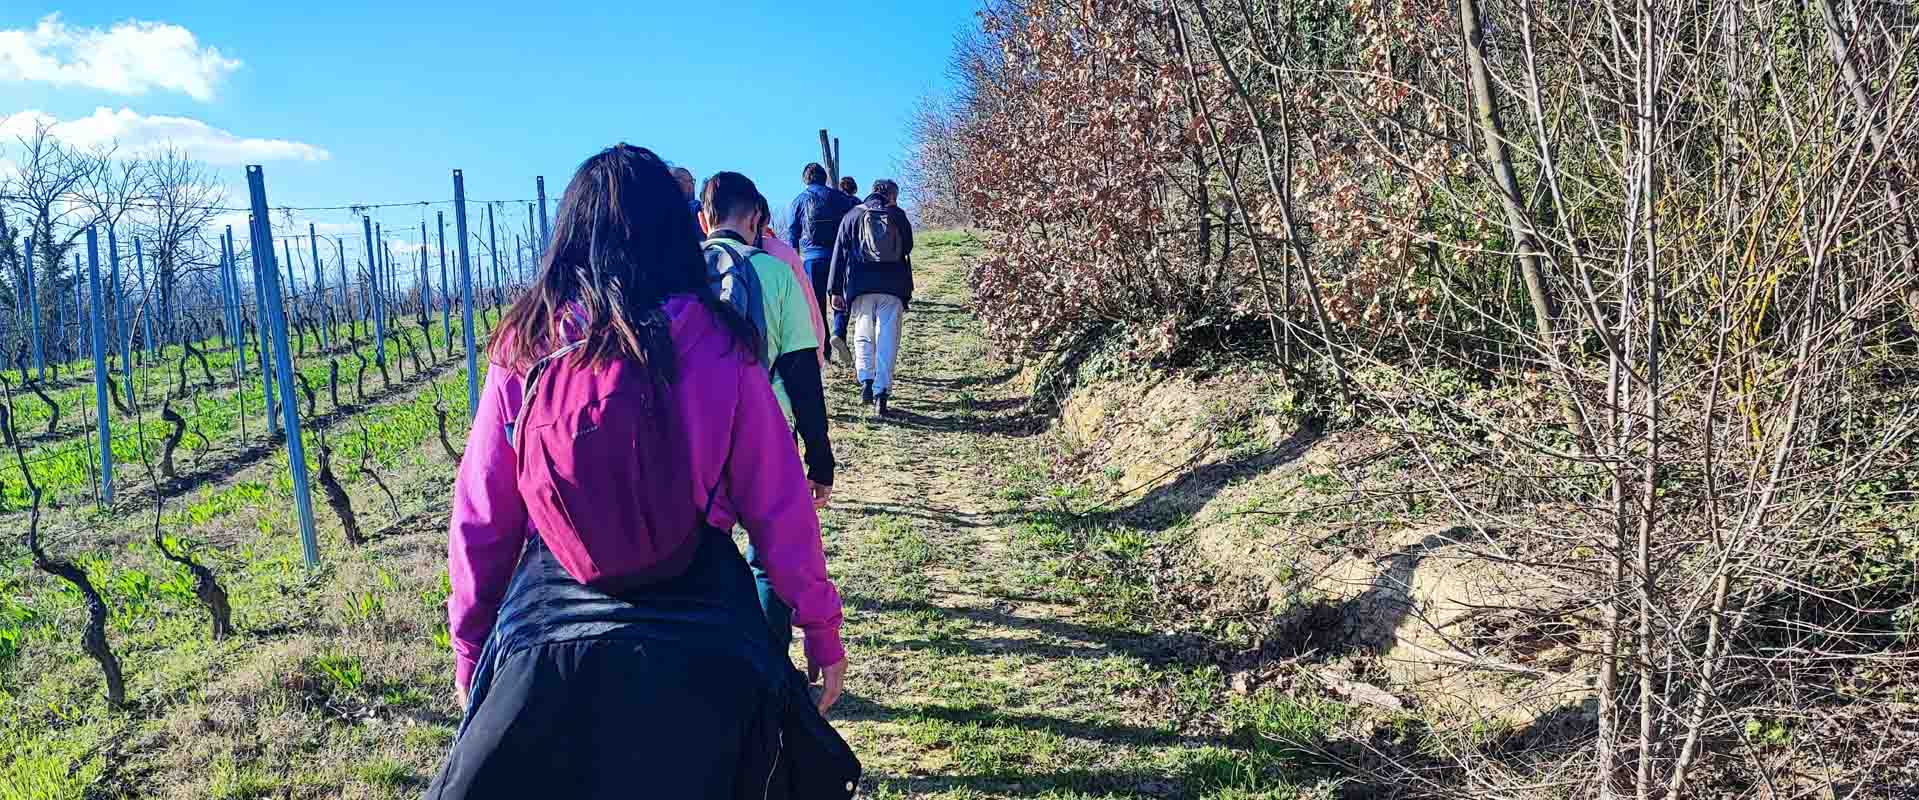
974, 672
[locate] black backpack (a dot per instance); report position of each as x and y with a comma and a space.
823, 212
881, 241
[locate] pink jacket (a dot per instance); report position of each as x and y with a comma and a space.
785, 252
739, 442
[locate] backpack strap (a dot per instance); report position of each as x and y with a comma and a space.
741, 260
531, 383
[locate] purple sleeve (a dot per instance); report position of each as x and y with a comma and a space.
489, 524
769, 494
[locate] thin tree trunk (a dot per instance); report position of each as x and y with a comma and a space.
1841, 53
1486, 113
1281, 196
1232, 185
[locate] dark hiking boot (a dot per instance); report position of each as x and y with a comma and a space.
866, 393
879, 403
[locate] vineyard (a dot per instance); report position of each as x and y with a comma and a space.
198, 444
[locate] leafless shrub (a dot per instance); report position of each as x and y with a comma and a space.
206, 586
1640, 271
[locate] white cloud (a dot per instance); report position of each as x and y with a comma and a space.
137, 133
132, 57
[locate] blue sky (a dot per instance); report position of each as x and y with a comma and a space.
354, 102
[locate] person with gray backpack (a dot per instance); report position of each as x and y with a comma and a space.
872, 278
764, 291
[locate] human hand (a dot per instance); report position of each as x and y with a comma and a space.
460, 694
832, 680
839, 302
822, 494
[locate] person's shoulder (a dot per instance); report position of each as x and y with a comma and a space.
770, 268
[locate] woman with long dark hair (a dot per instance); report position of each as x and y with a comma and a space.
608, 636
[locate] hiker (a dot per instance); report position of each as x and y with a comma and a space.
791, 346
852, 189
684, 177
604, 626
687, 184
872, 278
813, 222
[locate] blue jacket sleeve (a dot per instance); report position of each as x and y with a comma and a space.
842, 254
793, 222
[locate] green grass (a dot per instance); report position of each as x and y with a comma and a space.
996, 629
50, 693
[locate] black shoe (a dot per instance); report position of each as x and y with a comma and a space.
866, 393
879, 403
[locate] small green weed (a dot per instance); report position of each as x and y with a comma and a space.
363, 608
386, 773
228, 780
1124, 544
1272, 716
1768, 731
342, 672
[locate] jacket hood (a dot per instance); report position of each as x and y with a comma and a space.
692, 324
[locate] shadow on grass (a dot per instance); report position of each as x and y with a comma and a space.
1093, 640
1222, 769
853, 708
932, 307
938, 516
1016, 422
966, 381
1170, 504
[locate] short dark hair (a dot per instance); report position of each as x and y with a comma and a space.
814, 174
727, 194
848, 185
887, 187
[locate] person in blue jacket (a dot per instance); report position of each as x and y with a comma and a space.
813, 224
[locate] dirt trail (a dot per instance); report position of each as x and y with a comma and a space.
979, 666
970, 674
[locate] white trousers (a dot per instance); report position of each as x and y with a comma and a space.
876, 338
